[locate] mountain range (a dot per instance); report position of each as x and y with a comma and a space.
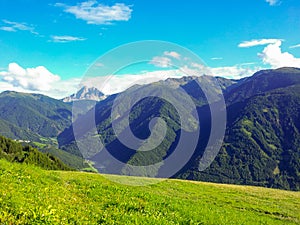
262, 138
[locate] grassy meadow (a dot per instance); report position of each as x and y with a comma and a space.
30, 195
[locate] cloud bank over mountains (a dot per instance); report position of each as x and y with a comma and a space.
36, 80
40, 80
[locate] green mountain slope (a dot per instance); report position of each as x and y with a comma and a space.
14, 132
67, 158
34, 113
146, 109
38, 119
15, 152
30, 195
261, 82
261, 145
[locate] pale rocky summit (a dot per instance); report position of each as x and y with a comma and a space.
86, 93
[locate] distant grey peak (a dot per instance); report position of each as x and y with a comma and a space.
86, 93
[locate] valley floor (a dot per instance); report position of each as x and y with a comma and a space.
30, 195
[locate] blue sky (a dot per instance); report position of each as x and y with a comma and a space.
47, 46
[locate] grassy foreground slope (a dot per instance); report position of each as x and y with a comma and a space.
30, 195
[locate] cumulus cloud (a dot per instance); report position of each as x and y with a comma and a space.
272, 2
95, 13
257, 42
15, 26
35, 79
64, 39
273, 55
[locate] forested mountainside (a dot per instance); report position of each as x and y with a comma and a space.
261, 145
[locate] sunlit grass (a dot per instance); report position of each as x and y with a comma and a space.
29, 195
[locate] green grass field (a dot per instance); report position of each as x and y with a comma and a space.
29, 195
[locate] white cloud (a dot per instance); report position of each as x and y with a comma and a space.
198, 66
117, 83
9, 29
273, 55
15, 26
272, 2
257, 42
295, 46
248, 63
63, 88
95, 13
231, 72
234, 72
165, 61
59, 89
64, 39
161, 62
172, 54
216, 58
40, 80
34, 79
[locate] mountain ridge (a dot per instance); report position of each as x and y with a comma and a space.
261, 141
266, 161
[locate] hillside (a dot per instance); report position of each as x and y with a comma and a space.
37, 120
16, 152
261, 144
15, 132
261, 82
67, 158
30, 195
33, 116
